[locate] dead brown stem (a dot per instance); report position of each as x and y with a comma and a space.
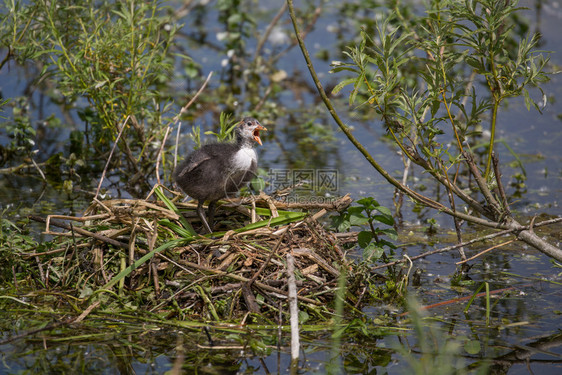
80, 231
110, 155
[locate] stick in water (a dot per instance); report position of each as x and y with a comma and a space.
293, 308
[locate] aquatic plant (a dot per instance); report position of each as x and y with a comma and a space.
420, 79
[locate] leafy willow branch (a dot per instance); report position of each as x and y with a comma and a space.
455, 39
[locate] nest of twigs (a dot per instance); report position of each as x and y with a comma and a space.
148, 247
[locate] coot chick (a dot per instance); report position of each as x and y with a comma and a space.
218, 170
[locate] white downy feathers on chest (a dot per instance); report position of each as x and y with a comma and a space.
243, 158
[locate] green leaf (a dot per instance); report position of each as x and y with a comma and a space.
383, 243
384, 210
364, 238
258, 183
475, 63
527, 98
358, 219
234, 19
303, 316
368, 202
342, 84
372, 252
346, 68
390, 232
341, 223
472, 347
355, 210
356, 87
262, 211
85, 292
385, 219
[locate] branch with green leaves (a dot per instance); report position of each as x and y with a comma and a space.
404, 76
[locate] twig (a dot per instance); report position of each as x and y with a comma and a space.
492, 202
159, 156
176, 148
501, 189
184, 108
80, 218
485, 251
460, 299
306, 31
132, 239
80, 231
175, 263
268, 30
279, 334
270, 203
479, 239
452, 203
336, 205
87, 312
273, 251
103, 206
155, 279
73, 253
264, 97
55, 251
244, 279
41, 272
39, 169
310, 254
183, 11
13, 170
250, 299
407, 165
111, 155
293, 308
34, 331
535, 241
253, 212
532, 224
67, 321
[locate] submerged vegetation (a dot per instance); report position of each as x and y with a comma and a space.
122, 77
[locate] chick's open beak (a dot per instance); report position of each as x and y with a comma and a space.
257, 133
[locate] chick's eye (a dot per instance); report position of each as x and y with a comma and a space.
248, 123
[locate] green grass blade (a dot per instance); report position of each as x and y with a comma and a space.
473, 297
285, 218
173, 207
127, 271
208, 302
177, 229
487, 303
